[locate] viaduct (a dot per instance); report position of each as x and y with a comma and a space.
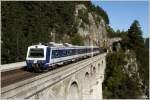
77, 81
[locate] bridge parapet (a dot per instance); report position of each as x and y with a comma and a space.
79, 81
12, 66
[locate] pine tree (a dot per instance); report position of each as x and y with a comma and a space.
147, 42
136, 43
135, 35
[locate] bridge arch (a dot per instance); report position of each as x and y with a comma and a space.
87, 75
86, 81
91, 70
73, 93
99, 67
94, 71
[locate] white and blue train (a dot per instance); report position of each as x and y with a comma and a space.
44, 56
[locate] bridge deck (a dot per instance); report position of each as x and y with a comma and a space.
17, 75
14, 76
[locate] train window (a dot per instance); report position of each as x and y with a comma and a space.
55, 54
89, 50
59, 53
77, 51
80, 51
74, 51
68, 52
36, 53
63, 53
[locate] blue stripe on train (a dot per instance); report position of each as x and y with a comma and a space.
47, 57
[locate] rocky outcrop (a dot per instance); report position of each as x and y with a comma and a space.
131, 69
90, 26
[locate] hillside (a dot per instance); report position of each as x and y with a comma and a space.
127, 71
27, 23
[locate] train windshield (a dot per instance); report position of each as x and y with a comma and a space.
36, 53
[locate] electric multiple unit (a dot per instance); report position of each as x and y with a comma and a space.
42, 57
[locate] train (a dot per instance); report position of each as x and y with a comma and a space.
42, 57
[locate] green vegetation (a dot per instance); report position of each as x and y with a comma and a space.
118, 84
83, 14
97, 10
97, 19
135, 36
136, 43
27, 23
112, 33
77, 40
147, 42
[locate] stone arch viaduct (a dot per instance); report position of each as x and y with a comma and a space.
78, 81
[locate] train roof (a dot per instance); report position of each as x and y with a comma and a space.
59, 45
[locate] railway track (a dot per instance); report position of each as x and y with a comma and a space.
14, 76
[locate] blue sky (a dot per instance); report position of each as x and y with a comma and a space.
123, 13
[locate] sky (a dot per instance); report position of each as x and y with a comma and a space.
122, 13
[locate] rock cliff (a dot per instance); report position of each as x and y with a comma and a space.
90, 26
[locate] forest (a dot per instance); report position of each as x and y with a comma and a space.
27, 23
117, 83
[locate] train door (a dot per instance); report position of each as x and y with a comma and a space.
48, 55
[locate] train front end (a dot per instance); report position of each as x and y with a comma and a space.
36, 58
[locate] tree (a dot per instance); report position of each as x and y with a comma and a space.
77, 39
28, 23
136, 43
147, 42
117, 83
135, 35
